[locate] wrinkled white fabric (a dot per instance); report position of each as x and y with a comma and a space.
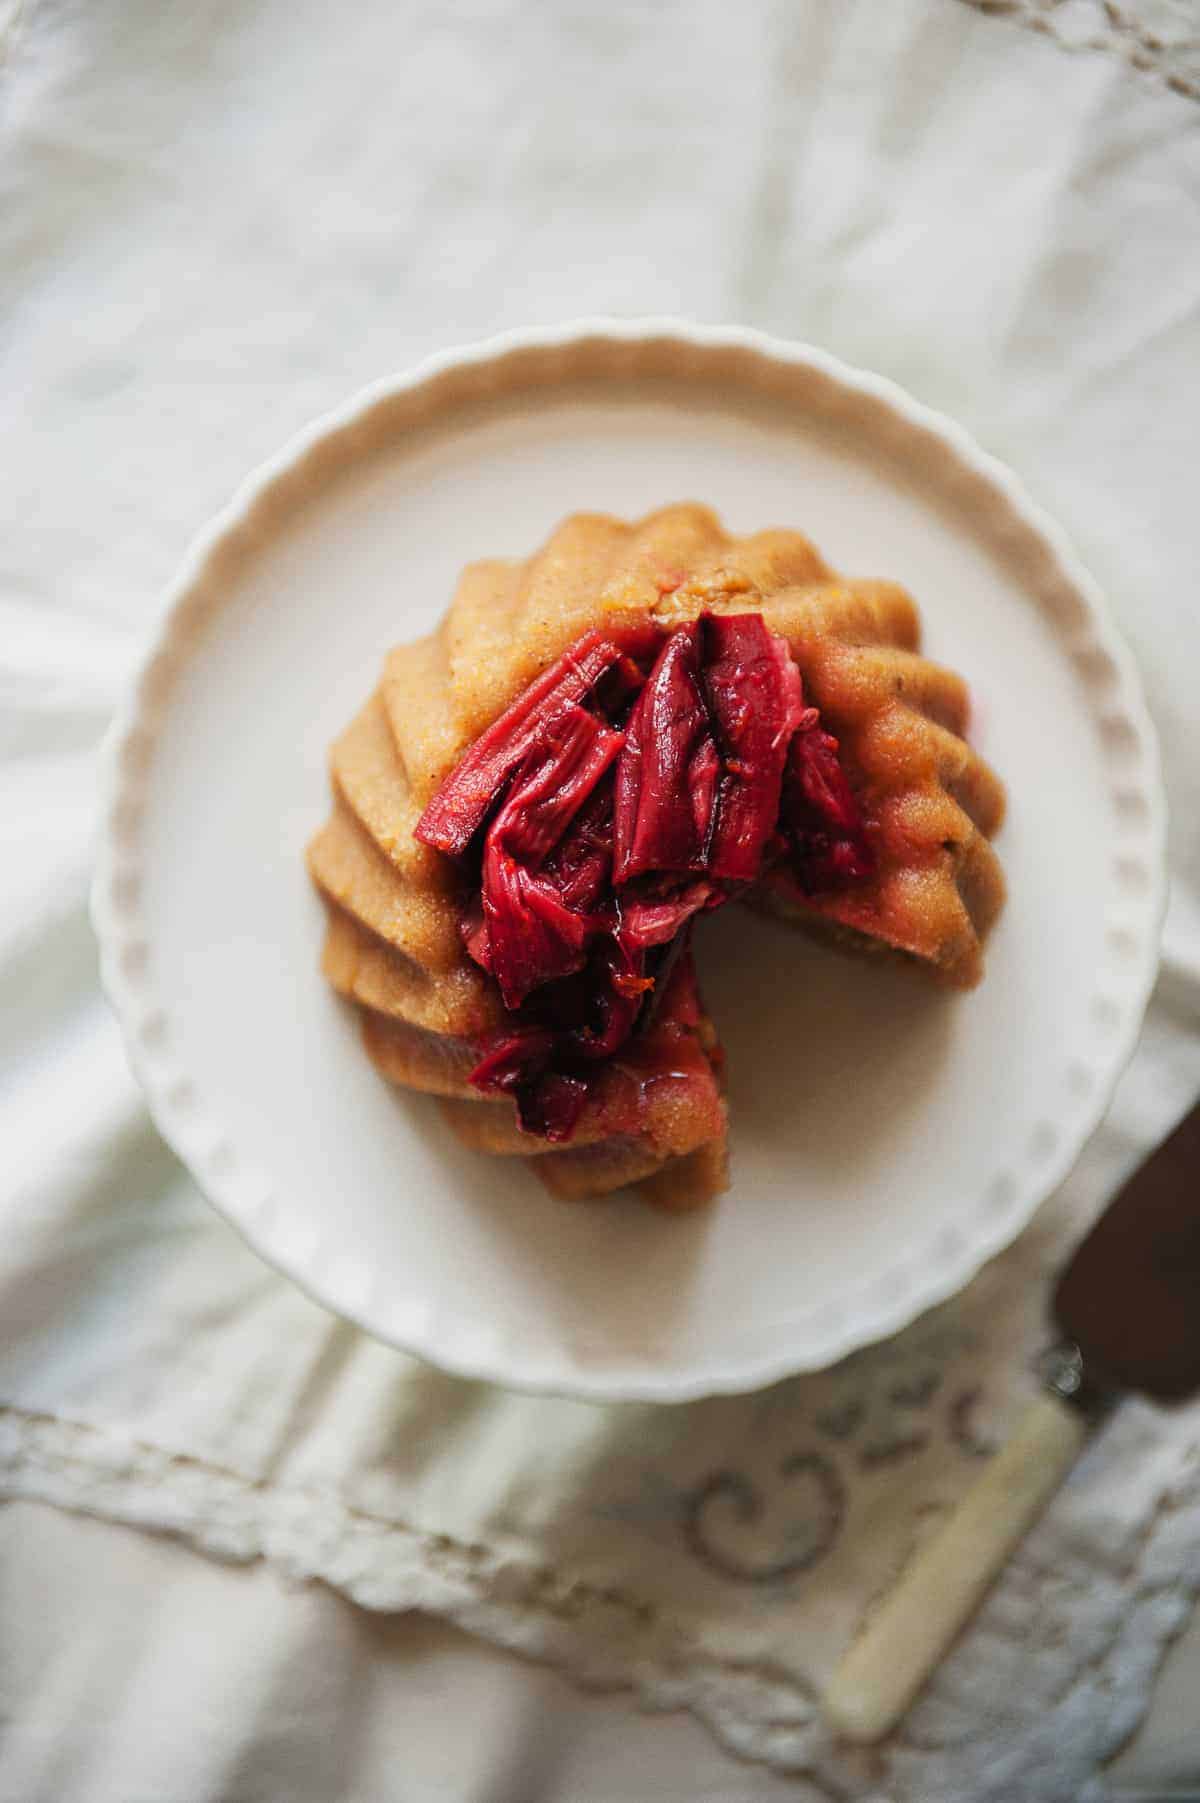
217, 221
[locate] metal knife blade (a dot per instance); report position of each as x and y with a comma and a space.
1130, 1297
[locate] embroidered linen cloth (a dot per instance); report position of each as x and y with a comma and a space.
215, 223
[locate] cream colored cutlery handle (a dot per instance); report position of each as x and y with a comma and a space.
904, 1641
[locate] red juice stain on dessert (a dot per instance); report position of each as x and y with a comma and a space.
625, 791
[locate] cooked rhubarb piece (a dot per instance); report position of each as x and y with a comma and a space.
516, 1062
571, 1027
649, 918
554, 1076
533, 934
820, 813
754, 692
581, 863
467, 796
605, 841
667, 774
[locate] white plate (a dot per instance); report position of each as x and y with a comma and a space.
886, 1138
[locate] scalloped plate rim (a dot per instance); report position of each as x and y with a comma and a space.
876, 1320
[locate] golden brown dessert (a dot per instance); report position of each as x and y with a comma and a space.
638, 724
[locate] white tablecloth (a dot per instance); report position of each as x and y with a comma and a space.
215, 222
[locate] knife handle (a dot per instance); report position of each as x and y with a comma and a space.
905, 1640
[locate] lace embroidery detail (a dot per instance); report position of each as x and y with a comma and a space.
606, 1636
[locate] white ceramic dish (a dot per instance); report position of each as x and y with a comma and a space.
886, 1139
